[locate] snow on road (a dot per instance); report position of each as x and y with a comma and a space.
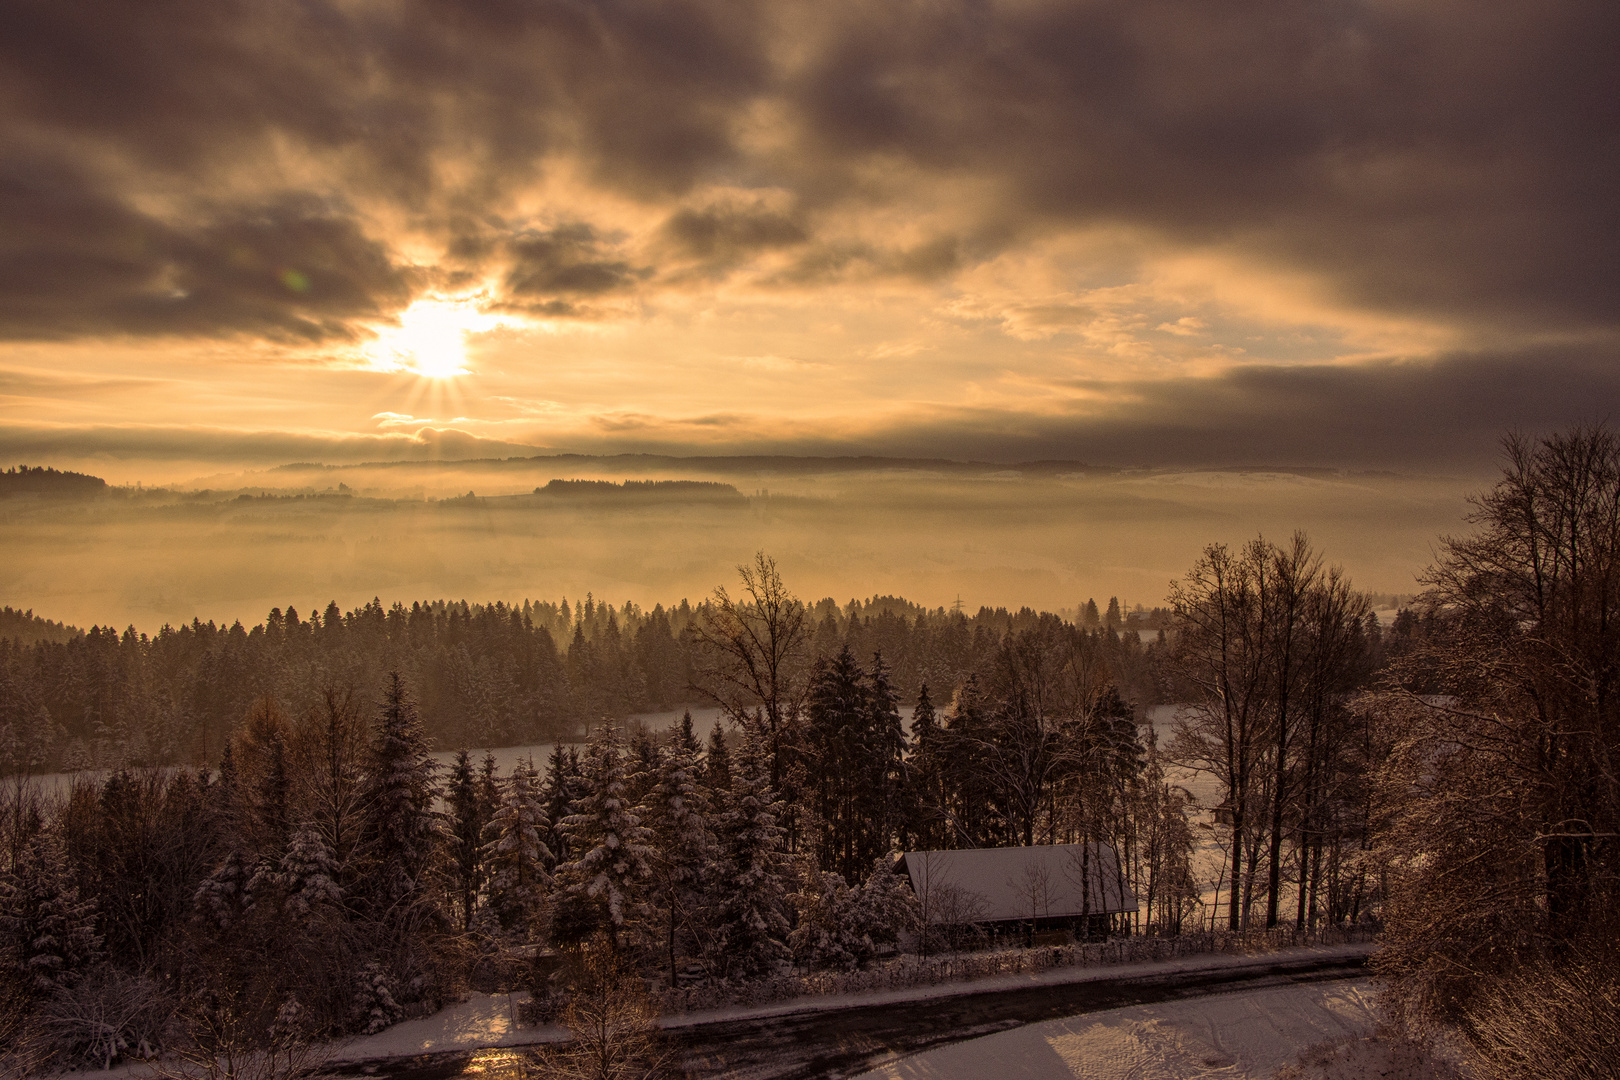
1238, 1036
483, 1020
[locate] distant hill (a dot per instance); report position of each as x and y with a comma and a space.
29, 629
760, 464
700, 490
39, 480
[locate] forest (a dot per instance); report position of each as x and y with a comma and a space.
483, 675
261, 850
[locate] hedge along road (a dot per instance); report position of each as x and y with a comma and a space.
842, 1041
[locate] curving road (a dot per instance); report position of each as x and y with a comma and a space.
832, 1043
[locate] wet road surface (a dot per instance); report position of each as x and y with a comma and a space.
833, 1043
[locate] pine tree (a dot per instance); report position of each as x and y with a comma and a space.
603, 889
47, 933
515, 856
399, 832
750, 919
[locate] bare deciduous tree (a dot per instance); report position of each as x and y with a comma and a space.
753, 652
1500, 797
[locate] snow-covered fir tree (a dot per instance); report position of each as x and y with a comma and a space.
399, 831
48, 934
563, 784
677, 812
226, 894
309, 874
717, 761
750, 896
515, 856
603, 888
843, 927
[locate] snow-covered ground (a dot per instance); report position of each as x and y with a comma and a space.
1236, 1036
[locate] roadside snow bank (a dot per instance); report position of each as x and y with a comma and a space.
1243, 1035
1062, 976
480, 1022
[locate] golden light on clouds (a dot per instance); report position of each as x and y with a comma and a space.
1117, 232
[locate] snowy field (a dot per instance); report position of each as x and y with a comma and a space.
1237, 1036
1210, 867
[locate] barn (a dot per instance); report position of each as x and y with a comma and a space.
1035, 888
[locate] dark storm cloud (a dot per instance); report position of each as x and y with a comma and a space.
253, 448
707, 242
174, 95
1447, 159
1445, 415
76, 260
554, 268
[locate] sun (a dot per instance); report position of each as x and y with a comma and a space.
431, 338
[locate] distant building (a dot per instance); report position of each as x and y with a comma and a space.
1006, 888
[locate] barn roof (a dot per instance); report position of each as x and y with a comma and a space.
1015, 883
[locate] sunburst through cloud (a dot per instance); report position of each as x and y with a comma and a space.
430, 339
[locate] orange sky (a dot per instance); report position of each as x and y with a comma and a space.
1165, 233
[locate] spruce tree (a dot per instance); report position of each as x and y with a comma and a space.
717, 762
309, 875
466, 820
603, 888
399, 832
925, 790
750, 919
557, 795
884, 767
47, 933
514, 854
677, 812
973, 814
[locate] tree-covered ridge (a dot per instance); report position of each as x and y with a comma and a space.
706, 490
27, 628
484, 674
43, 480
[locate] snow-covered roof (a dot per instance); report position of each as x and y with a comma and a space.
1015, 883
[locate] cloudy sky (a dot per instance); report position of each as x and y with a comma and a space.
1369, 233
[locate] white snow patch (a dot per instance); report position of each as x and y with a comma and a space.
1235, 1036
483, 1020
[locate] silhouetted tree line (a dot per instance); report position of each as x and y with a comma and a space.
38, 480
484, 674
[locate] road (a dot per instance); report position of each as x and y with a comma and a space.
828, 1044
